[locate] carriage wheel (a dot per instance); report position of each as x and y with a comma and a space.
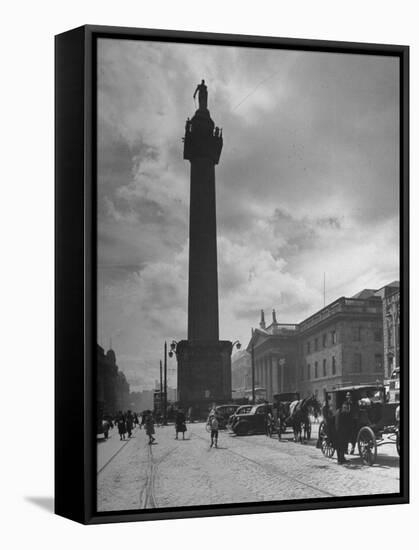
326, 445
367, 446
398, 442
327, 448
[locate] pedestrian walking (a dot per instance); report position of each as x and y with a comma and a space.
213, 423
180, 423
269, 422
121, 425
129, 423
149, 427
343, 431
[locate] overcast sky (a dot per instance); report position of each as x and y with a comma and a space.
307, 184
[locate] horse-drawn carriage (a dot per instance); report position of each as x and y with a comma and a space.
374, 420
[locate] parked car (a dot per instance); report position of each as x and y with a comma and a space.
224, 413
250, 419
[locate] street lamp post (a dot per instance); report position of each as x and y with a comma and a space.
165, 386
173, 345
236, 344
161, 387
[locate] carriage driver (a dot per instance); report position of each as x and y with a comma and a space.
353, 409
344, 430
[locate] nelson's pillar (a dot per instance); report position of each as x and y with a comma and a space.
204, 362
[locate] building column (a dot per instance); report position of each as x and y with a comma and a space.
267, 376
271, 385
282, 377
263, 376
275, 376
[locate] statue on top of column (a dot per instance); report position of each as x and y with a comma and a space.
202, 92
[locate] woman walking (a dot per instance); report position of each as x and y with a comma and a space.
121, 425
149, 427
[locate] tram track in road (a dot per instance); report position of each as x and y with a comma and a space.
276, 469
147, 493
115, 453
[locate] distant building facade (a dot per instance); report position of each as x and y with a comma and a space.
341, 345
142, 400
350, 341
275, 351
390, 295
241, 372
111, 385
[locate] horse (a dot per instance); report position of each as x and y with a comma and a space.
283, 415
299, 417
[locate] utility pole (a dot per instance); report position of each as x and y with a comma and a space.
161, 387
253, 374
324, 289
165, 385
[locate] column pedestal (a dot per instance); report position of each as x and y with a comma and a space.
204, 374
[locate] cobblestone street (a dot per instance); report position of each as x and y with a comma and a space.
133, 475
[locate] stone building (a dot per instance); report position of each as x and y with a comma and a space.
341, 344
390, 295
112, 388
275, 352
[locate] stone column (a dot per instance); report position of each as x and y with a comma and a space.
275, 374
204, 362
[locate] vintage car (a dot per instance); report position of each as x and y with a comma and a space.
224, 412
250, 419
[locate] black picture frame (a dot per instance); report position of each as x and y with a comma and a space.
75, 270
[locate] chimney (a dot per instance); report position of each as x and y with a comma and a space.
274, 321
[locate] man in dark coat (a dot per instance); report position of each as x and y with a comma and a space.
180, 423
121, 425
129, 423
343, 431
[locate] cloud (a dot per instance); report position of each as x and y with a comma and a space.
307, 185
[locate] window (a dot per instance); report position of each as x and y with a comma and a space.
308, 347
324, 367
356, 334
378, 362
356, 362
333, 365
324, 340
316, 344
308, 372
302, 372
389, 335
378, 335
333, 335
315, 370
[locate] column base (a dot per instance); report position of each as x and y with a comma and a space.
204, 374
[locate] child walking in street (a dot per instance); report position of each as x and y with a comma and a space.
213, 422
